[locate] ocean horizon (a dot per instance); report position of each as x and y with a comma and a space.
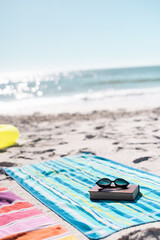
79, 91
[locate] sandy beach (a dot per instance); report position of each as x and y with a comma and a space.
80, 77
131, 138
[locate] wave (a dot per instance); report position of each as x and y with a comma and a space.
81, 102
91, 84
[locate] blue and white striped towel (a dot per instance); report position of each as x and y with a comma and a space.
63, 186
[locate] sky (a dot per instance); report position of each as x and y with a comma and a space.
53, 35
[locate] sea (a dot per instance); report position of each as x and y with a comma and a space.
80, 91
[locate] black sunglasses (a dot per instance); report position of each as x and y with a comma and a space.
106, 182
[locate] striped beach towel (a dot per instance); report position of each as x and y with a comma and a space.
63, 186
19, 220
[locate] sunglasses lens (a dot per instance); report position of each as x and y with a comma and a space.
103, 182
121, 182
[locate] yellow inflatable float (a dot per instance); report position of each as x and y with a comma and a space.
8, 135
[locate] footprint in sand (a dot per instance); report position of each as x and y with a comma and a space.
99, 127
73, 130
158, 137
64, 155
37, 140
89, 136
155, 130
50, 150
7, 164
141, 159
63, 143
119, 148
25, 157
139, 148
115, 143
59, 133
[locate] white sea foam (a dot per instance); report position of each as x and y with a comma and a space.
55, 92
111, 100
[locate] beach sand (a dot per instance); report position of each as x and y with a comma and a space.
131, 138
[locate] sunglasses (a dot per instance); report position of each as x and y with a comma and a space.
106, 182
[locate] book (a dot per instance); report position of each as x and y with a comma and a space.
114, 193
